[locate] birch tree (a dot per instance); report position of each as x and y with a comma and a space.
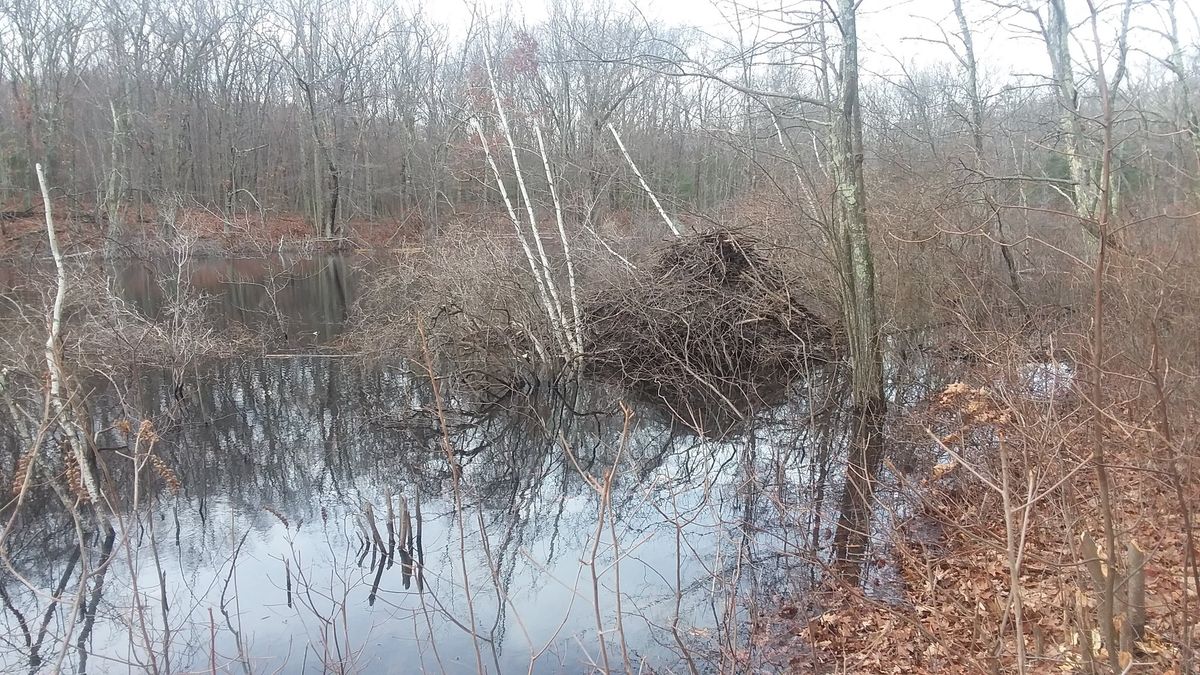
1057, 33
60, 398
1086, 188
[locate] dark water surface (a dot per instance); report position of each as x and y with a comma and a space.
264, 562
303, 300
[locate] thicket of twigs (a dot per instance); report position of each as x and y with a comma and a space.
709, 316
466, 300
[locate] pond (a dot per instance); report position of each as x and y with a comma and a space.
334, 514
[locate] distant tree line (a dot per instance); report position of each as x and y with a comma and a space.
343, 111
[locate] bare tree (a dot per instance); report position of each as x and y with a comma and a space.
975, 99
857, 273
1185, 110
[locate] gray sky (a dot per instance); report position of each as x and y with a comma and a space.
904, 30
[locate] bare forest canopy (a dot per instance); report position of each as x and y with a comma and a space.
341, 112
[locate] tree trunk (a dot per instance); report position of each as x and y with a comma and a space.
972, 73
1085, 194
858, 305
112, 192
332, 228
1188, 121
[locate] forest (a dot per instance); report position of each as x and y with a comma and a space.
592, 336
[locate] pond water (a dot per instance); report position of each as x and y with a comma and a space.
320, 525
297, 301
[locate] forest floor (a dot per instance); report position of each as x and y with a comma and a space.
951, 611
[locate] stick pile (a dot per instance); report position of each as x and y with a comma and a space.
710, 317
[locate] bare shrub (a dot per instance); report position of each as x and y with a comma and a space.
471, 294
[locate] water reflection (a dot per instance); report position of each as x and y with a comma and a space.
317, 526
299, 301
296, 474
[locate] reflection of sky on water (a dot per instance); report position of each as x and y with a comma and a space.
307, 435
314, 438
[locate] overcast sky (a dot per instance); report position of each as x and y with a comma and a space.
903, 30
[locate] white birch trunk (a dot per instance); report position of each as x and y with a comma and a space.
576, 332
112, 193
556, 315
58, 400
642, 180
516, 221
1183, 96
1084, 190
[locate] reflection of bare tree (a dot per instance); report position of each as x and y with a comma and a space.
287, 449
291, 300
93, 601
43, 617
35, 657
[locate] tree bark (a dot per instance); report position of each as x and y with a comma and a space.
858, 305
1084, 191
60, 401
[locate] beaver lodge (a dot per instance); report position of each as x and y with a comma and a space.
711, 319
